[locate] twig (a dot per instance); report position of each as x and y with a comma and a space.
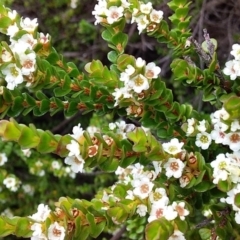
119, 233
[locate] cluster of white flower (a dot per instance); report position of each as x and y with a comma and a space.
145, 16
150, 199
55, 230
232, 67
226, 166
74, 158
18, 60
135, 79
153, 200
111, 14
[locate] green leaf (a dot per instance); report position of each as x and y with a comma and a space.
112, 56
47, 144
159, 229
5, 22
205, 233
225, 186
237, 200
28, 139
23, 228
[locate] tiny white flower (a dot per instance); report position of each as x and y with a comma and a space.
28, 62
43, 212
177, 235
146, 8
77, 132
235, 125
156, 16
236, 51
170, 213
74, 148
6, 55
152, 71
11, 183
159, 196
28, 25
27, 152
180, 208
12, 14
76, 162
56, 165
3, 159
232, 69
141, 210
203, 140
56, 232
173, 147
140, 62
220, 166
157, 167
202, 126
13, 75
139, 83
113, 14
37, 231
112, 126
174, 167
233, 141
12, 30
142, 23
142, 187
157, 211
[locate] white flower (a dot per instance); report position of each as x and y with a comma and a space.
174, 167
157, 211
179, 207
56, 165
11, 183
202, 126
146, 8
233, 141
232, 69
173, 147
113, 14
190, 128
12, 30
28, 25
77, 132
28, 39
28, 189
76, 162
235, 125
112, 126
74, 148
142, 210
3, 159
43, 212
156, 16
13, 75
37, 232
121, 93
236, 51
129, 70
237, 217
217, 135
6, 55
139, 83
140, 62
152, 71
56, 232
157, 167
27, 152
43, 39
220, 166
130, 195
159, 196
203, 140
28, 62
12, 14
177, 235
142, 22
170, 213
142, 187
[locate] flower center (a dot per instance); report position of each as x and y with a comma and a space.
138, 81
235, 138
159, 213
56, 232
14, 71
144, 188
174, 166
204, 139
